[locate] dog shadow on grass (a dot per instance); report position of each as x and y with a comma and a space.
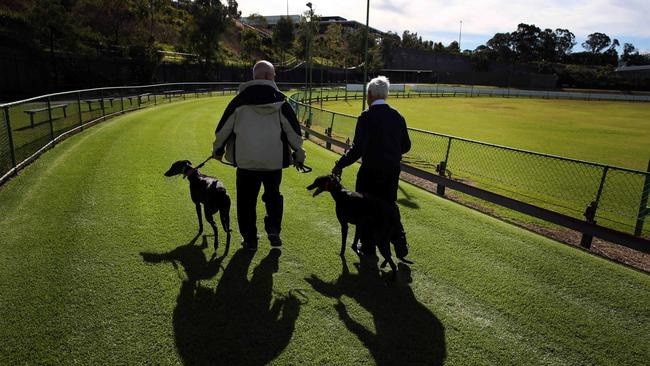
192, 260
240, 322
405, 331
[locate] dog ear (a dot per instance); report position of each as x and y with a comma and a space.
315, 185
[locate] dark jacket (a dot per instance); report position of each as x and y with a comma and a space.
380, 139
257, 129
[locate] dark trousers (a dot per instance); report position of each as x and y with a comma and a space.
248, 188
383, 183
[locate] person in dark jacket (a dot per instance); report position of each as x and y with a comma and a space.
259, 133
380, 139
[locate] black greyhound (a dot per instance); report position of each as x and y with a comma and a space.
208, 191
375, 219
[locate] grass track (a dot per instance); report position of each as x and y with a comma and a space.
614, 133
76, 289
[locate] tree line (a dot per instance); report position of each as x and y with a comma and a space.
139, 29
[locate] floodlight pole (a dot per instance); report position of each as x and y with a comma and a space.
460, 34
309, 40
365, 57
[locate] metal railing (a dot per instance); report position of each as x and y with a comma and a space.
29, 127
613, 197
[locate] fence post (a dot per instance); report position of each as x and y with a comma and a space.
101, 101
122, 100
310, 114
11, 140
328, 132
81, 120
49, 114
644, 209
590, 211
442, 168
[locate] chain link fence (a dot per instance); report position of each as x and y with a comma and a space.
613, 197
29, 126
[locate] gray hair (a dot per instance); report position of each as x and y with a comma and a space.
378, 87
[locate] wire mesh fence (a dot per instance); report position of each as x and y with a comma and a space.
618, 197
28, 126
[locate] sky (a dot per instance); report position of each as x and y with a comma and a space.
475, 22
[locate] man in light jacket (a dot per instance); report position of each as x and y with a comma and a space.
259, 134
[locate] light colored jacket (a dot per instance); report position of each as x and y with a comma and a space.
258, 130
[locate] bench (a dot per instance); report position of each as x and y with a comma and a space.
171, 93
203, 91
101, 101
32, 112
139, 97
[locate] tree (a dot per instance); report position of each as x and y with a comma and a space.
335, 45
389, 43
596, 42
209, 22
257, 20
548, 46
250, 42
438, 47
500, 47
564, 42
453, 48
409, 40
526, 42
233, 11
283, 35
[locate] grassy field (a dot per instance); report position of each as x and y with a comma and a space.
98, 266
614, 133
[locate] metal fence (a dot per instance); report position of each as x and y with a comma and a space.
613, 197
30, 126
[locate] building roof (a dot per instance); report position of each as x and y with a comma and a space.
633, 68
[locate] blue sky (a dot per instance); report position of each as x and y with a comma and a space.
440, 20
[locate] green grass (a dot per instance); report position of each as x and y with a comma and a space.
614, 133
76, 288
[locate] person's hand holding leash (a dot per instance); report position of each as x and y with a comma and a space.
299, 162
336, 170
217, 156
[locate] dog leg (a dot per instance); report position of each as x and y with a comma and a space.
198, 214
384, 249
344, 237
214, 228
224, 214
355, 241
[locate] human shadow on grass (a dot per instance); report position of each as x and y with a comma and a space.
407, 201
406, 332
241, 322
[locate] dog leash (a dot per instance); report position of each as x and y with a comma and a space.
203, 163
302, 168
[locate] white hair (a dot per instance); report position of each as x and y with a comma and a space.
378, 87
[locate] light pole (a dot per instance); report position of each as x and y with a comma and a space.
308, 76
460, 33
365, 57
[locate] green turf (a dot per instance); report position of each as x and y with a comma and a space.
95, 268
614, 133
